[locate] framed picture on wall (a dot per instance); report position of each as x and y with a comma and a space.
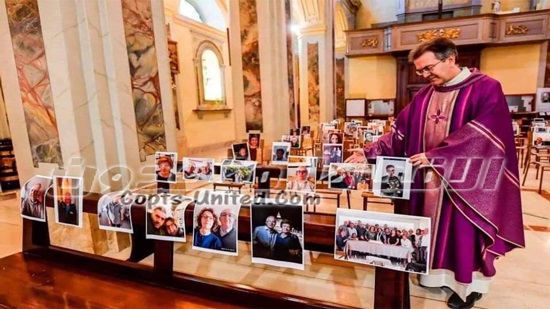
543, 100
356, 107
520, 102
381, 107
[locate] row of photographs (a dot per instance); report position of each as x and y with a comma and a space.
277, 237
389, 177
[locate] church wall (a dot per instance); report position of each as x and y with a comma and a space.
373, 77
516, 67
214, 129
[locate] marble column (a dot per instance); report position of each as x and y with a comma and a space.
273, 73
89, 73
316, 29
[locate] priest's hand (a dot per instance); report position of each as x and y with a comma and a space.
358, 156
419, 159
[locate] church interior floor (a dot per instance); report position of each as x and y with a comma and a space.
522, 279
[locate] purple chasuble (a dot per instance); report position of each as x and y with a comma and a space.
471, 188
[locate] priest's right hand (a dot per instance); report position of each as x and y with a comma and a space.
357, 156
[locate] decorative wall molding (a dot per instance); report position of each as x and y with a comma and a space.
487, 29
449, 33
516, 30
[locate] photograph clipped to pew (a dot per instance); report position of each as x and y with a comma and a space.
254, 140
325, 129
114, 211
280, 152
33, 203
387, 240
305, 131
351, 129
332, 153
198, 169
301, 177
277, 238
215, 222
240, 151
166, 167
165, 217
392, 178
238, 171
68, 199
294, 131
541, 139
351, 176
516, 128
295, 141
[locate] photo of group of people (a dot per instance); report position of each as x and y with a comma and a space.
198, 169
113, 214
350, 176
238, 171
280, 152
166, 167
386, 240
277, 237
33, 204
392, 177
352, 128
215, 225
165, 217
332, 153
68, 200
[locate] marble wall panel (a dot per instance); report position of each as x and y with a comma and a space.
251, 65
290, 65
34, 81
296, 61
313, 81
339, 75
142, 56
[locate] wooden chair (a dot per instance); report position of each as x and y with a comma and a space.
369, 196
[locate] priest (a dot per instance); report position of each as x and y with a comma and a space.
457, 131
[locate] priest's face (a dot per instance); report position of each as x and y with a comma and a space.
436, 71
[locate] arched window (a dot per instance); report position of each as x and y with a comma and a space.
188, 10
210, 74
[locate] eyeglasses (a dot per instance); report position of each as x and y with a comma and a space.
428, 68
207, 217
227, 215
301, 172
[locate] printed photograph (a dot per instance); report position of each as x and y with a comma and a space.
397, 242
332, 153
368, 136
543, 100
280, 152
380, 107
165, 217
254, 140
351, 176
306, 130
198, 168
351, 129
240, 151
166, 166
392, 177
277, 237
301, 178
113, 213
239, 172
541, 139
215, 223
516, 128
334, 137
67, 196
33, 203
